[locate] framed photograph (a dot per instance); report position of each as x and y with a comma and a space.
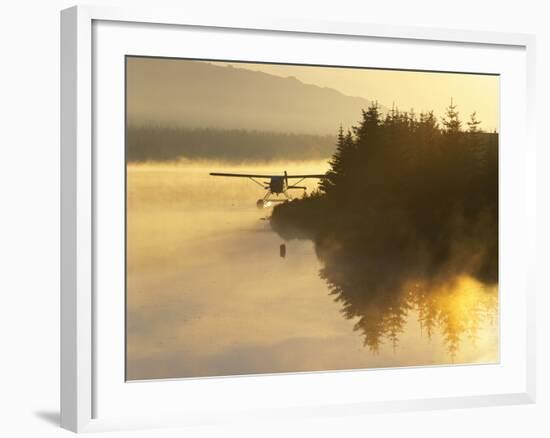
275, 219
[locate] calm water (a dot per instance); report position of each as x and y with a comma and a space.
208, 293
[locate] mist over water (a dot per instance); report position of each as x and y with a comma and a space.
208, 293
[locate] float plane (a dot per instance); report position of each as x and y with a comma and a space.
275, 185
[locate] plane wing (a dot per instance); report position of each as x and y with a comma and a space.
242, 175
246, 175
306, 176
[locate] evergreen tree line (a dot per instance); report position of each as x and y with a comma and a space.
406, 197
158, 143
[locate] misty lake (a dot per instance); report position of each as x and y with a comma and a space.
209, 294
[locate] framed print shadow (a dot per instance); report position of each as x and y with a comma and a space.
323, 209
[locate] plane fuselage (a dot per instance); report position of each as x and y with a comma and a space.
277, 184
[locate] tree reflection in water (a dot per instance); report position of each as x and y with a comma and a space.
457, 306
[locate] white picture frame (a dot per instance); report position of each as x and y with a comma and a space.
81, 339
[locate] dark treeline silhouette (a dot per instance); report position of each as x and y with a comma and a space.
156, 143
408, 206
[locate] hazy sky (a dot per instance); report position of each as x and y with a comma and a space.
422, 91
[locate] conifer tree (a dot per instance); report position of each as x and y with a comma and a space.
473, 123
336, 168
370, 122
340, 162
451, 121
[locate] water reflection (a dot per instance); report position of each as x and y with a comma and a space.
210, 295
457, 307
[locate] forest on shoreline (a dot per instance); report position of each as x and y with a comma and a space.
166, 143
408, 205
403, 181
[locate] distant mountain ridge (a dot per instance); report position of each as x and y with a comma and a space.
180, 93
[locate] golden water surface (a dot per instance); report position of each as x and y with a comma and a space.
208, 293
